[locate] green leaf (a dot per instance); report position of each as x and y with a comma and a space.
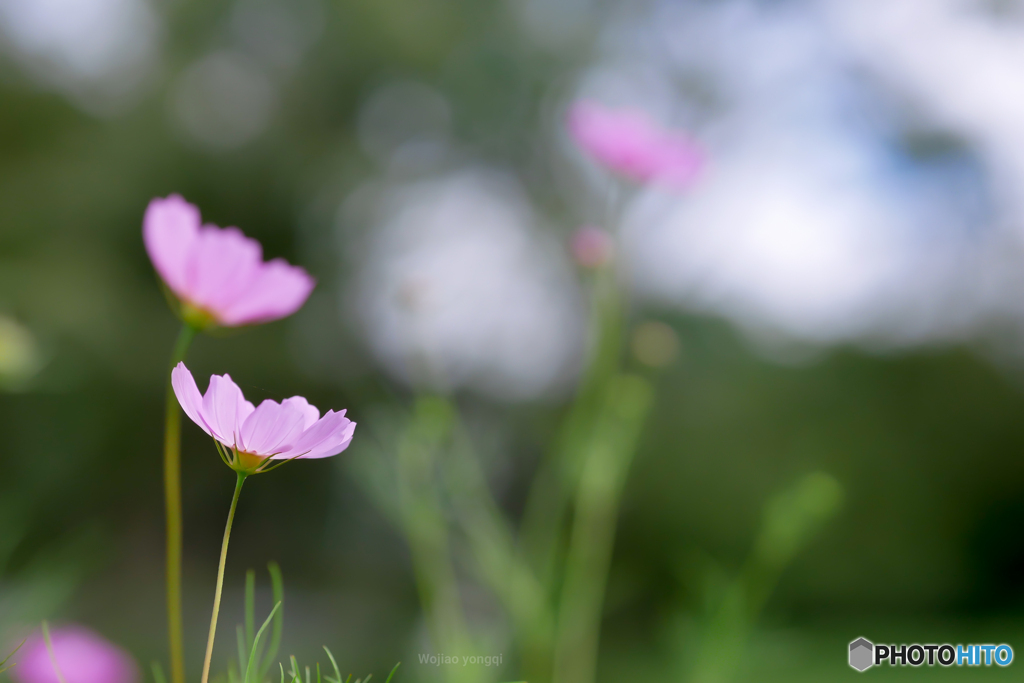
337, 674
3, 662
250, 607
277, 585
158, 672
242, 649
259, 634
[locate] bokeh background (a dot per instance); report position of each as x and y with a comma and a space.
844, 283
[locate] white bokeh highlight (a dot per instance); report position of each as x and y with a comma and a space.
224, 100
97, 52
817, 218
457, 289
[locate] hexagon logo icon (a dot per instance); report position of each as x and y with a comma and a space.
862, 654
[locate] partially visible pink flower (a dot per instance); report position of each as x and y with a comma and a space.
82, 655
630, 143
592, 247
219, 274
290, 429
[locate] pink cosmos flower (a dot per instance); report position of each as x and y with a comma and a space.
630, 143
254, 436
219, 274
82, 655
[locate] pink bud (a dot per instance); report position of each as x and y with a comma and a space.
592, 247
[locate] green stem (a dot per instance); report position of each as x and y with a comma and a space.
172, 497
220, 577
499, 564
790, 519
425, 527
549, 498
604, 473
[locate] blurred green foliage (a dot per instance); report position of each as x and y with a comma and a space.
926, 445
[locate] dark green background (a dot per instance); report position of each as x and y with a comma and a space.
926, 443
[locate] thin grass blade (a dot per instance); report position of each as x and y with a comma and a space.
277, 586
3, 662
334, 665
250, 608
233, 675
49, 650
242, 650
259, 634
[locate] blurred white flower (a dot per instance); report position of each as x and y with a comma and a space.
959, 64
456, 289
788, 242
817, 217
95, 51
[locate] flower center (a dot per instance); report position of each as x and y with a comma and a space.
248, 462
196, 316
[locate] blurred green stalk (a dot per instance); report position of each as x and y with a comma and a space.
790, 520
552, 582
172, 500
550, 496
500, 566
607, 460
425, 526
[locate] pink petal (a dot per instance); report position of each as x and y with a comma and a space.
329, 436
277, 291
271, 426
630, 143
336, 443
310, 412
191, 400
225, 409
83, 657
221, 268
168, 229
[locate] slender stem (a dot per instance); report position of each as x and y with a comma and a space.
423, 520
597, 499
492, 544
220, 577
53, 655
549, 500
790, 520
172, 497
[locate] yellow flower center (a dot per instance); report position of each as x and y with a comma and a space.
248, 462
